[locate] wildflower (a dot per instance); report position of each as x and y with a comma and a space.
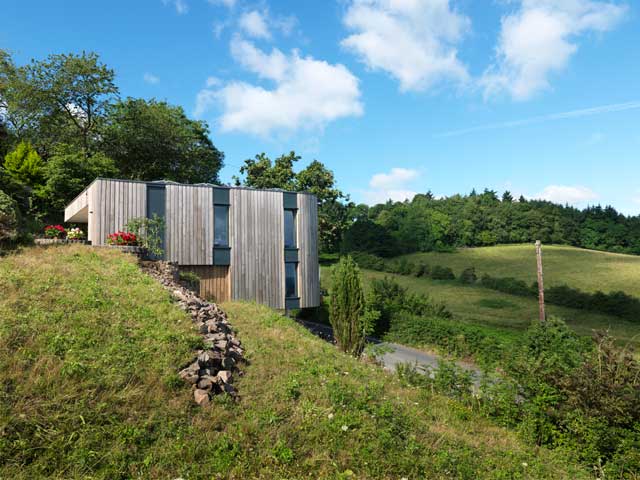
344, 428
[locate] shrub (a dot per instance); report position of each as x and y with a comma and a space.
9, 219
509, 285
148, 233
468, 276
422, 270
349, 317
368, 261
439, 272
389, 298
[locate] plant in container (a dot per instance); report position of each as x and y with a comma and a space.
54, 231
123, 239
75, 234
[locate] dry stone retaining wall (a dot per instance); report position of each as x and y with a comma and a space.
213, 369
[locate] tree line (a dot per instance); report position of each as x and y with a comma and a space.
427, 223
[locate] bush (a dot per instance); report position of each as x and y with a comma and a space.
9, 219
468, 276
389, 298
422, 270
509, 285
148, 233
349, 317
439, 272
368, 261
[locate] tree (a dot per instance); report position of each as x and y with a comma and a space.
59, 100
367, 236
261, 172
25, 165
350, 319
9, 217
68, 172
151, 140
78, 88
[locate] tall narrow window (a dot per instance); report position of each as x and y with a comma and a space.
290, 229
291, 279
221, 227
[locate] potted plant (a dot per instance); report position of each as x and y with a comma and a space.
75, 235
125, 241
53, 234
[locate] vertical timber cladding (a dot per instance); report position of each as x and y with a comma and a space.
308, 267
113, 203
214, 281
256, 228
189, 224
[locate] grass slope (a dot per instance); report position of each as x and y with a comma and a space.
89, 347
587, 270
503, 314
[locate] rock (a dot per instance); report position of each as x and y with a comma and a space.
205, 383
228, 363
201, 397
224, 376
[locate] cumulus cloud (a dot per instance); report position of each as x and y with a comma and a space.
307, 93
394, 185
412, 40
254, 24
538, 40
573, 195
151, 79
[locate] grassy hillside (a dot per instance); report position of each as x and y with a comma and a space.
587, 270
506, 315
89, 349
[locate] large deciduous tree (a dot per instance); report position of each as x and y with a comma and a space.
262, 172
151, 140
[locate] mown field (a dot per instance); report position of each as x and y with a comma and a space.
89, 351
587, 270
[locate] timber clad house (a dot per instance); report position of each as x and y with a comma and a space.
243, 243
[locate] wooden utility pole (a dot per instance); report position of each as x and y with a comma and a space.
540, 282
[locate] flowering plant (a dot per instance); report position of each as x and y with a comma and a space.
54, 231
122, 238
75, 234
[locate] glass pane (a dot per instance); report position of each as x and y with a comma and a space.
289, 229
221, 227
290, 270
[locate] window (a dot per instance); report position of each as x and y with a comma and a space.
290, 229
221, 226
291, 279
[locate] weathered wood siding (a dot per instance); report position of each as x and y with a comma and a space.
308, 269
256, 227
214, 281
112, 203
189, 224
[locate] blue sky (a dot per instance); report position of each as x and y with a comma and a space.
541, 97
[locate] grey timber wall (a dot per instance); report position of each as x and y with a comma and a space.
112, 203
189, 224
256, 228
308, 268
214, 281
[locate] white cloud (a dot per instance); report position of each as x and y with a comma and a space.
539, 39
180, 5
254, 24
573, 195
226, 3
394, 185
151, 79
307, 93
412, 40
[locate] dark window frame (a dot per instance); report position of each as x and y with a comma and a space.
294, 226
294, 294
215, 226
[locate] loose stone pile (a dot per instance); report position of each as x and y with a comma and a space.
211, 371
